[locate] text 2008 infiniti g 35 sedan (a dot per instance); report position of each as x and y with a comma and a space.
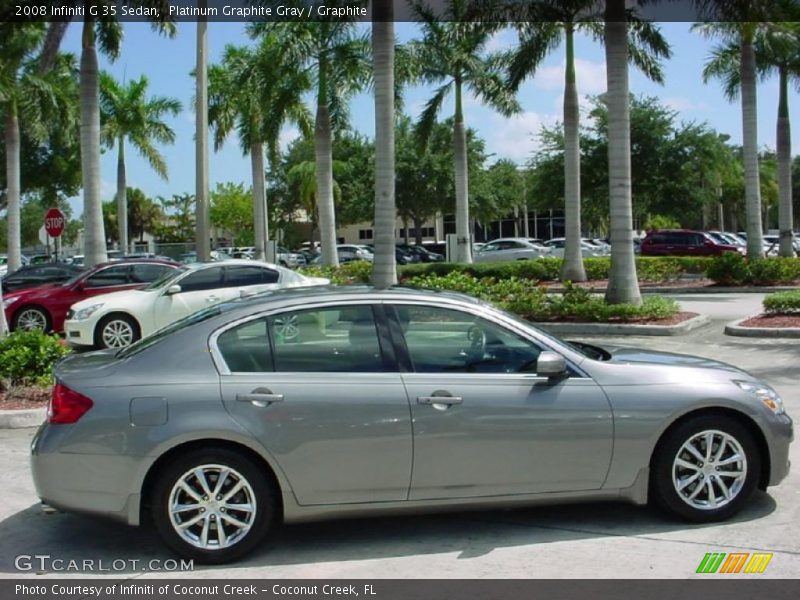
317, 403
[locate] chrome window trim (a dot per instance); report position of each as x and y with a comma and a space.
479, 310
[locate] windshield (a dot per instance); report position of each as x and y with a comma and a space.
168, 276
150, 340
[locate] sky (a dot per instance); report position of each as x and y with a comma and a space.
168, 62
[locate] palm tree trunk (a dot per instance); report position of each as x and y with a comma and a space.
384, 268
623, 286
464, 245
94, 232
323, 155
202, 224
572, 267
122, 198
783, 138
13, 188
259, 203
752, 187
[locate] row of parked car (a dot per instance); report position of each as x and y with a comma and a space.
115, 304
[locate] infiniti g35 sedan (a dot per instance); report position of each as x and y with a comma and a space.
315, 403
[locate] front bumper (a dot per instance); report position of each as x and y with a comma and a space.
781, 432
79, 333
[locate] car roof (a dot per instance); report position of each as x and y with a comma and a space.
230, 263
287, 297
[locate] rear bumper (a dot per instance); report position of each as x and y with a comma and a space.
97, 484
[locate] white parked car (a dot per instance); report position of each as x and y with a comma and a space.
587, 249
510, 249
116, 320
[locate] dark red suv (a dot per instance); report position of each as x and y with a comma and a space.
45, 307
683, 242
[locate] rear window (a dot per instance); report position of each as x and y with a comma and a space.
151, 340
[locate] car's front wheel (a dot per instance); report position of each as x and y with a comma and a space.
706, 468
213, 506
116, 331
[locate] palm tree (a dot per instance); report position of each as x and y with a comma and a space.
256, 91
559, 20
127, 114
776, 49
107, 32
623, 286
451, 55
384, 268
336, 58
202, 206
36, 102
743, 35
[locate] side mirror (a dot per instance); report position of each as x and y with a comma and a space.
550, 364
173, 289
80, 286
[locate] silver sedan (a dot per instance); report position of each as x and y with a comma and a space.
318, 403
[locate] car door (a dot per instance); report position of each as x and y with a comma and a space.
318, 387
199, 288
484, 423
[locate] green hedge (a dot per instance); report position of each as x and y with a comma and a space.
28, 357
524, 298
783, 303
729, 269
735, 269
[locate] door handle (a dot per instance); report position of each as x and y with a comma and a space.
441, 398
212, 298
260, 397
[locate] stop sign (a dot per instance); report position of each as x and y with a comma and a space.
54, 222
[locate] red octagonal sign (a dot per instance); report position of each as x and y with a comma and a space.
54, 222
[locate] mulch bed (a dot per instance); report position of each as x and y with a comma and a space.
21, 398
772, 321
674, 320
602, 284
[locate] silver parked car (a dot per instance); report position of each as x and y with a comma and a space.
322, 402
510, 249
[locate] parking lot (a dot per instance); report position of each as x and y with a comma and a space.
576, 541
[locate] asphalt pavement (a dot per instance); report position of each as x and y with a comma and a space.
572, 541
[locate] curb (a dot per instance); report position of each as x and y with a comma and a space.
19, 419
624, 328
734, 328
693, 290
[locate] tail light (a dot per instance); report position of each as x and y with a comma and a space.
66, 405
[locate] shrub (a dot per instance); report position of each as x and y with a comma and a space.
783, 303
735, 269
359, 271
28, 357
523, 297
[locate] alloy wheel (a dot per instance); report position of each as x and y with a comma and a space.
212, 507
709, 470
117, 334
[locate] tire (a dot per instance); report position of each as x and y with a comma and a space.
116, 331
26, 316
256, 491
711, 473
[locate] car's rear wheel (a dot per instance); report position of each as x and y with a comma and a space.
31, 318
116, 331
706, 468
213, 506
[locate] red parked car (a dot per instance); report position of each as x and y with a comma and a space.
45, 307
683, 242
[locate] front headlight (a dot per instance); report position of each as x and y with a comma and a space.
765, 393
8, 302
87, 312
